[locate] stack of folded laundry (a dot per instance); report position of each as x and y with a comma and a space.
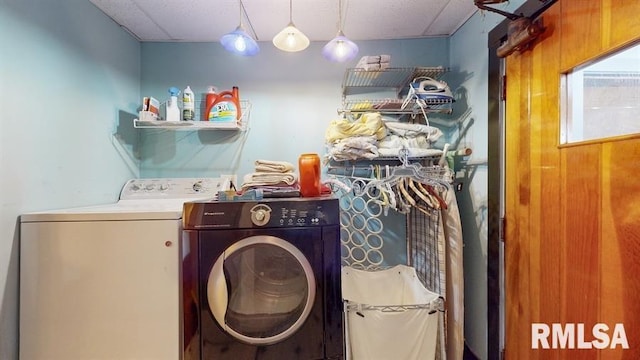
374, 62
273, 178
351, 140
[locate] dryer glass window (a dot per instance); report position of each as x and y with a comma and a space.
268, 290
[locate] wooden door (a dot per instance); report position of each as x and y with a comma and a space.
572, 243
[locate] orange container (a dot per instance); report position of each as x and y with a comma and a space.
230, 98
309, 168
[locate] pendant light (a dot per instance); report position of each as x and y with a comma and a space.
239, 41
340, 49
290, 38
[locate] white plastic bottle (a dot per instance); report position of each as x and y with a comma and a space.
188, 104
173, 111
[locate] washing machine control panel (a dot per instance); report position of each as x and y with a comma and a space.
173, 188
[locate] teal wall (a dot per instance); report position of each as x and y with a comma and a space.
470, 71
294, 96
68, 75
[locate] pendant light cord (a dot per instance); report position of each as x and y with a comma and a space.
341, 21
290, 12
242, 8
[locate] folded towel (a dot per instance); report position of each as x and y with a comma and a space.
370, 59
268, 178
273, 166
370, 67
374, 62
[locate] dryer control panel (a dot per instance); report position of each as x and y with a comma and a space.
288, 212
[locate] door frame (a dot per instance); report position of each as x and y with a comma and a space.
496, 121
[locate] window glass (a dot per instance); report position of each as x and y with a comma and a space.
602, 99
268, 290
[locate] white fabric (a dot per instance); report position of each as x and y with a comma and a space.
374, 62
357, 147
407, 129
268, 178
383, 335
413, 152
455, 277
273, 166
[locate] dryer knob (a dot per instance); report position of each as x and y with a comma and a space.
260, 217
197, 187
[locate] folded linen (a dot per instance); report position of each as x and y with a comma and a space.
268, 178
353, 148
273, 166
407, 130
412, 152
397, 142
374, 62
369, 59
369, 124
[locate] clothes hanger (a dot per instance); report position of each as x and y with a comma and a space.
424, 195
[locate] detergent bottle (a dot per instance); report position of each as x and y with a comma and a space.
225, 106
173, 111
188, 104
210, 98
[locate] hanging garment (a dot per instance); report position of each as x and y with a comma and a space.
455, 276
382, 324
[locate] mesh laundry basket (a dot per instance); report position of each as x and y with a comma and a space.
390, 314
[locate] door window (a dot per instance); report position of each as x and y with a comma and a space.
602, 99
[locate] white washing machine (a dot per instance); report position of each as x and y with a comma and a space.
104, 282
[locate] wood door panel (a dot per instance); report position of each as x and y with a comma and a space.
620, 254
572, 247
616, 14
580, 270
580, 30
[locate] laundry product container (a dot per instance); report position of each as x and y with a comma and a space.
390, 315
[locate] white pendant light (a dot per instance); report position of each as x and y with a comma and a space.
340, 49
290, 38
239, 41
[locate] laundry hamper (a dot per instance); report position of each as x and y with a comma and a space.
389, 314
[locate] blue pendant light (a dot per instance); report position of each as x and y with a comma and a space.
239, 41
340, 49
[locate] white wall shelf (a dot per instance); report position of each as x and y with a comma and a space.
240, 125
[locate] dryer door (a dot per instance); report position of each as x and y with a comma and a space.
261, 290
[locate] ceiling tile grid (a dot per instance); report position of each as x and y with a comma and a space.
207, 20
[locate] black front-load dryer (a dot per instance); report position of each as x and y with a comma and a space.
261, 280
